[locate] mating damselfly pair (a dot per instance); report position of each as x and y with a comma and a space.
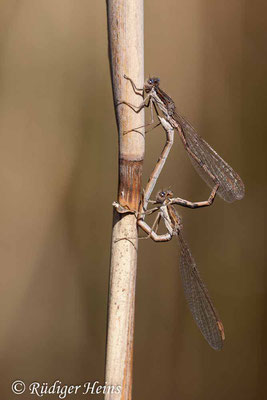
223, 180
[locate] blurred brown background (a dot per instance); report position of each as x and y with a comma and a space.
58, 174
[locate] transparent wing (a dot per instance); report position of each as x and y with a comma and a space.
231, 186
199, 300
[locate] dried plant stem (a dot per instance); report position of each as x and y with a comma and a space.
126, 52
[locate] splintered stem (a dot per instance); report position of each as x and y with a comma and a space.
126, 55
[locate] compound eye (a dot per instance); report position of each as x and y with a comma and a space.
162, 194
150, 81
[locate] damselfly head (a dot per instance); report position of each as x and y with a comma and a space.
150, 83
162, 195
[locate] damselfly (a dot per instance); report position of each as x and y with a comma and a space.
196, 293
210, 166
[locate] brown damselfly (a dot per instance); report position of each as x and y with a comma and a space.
196, 293
210, 166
